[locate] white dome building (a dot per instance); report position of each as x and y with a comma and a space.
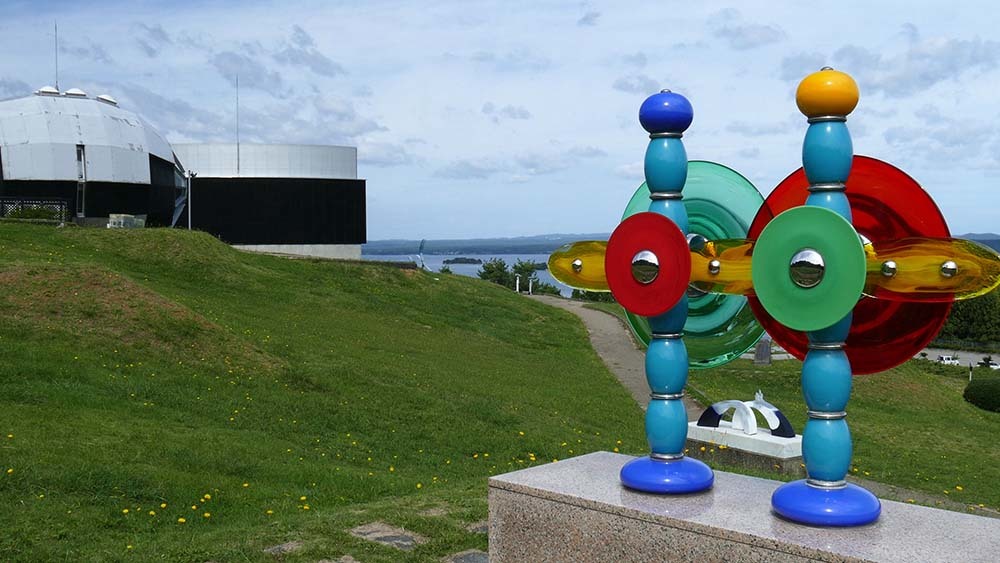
89, 153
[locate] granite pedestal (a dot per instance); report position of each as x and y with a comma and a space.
576, 510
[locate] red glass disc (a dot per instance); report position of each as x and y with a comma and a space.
653, 233
886, 204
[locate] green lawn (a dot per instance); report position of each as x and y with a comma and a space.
150, 376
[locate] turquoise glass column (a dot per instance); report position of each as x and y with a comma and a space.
666, 470
825, 498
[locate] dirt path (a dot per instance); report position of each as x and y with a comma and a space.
613, 343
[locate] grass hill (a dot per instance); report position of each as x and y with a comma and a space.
163, 396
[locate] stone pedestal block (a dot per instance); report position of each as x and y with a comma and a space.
577, 510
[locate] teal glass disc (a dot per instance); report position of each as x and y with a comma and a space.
721, 204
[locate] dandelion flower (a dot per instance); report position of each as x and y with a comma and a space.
194, 507
269, 512
181, 520
420, 485
958, 487
305, 507
520, 433
302, 498
10, 470
163, 505
245, 485
124, 511
207, 496
391, 469
128, 546
152, 513
207, 515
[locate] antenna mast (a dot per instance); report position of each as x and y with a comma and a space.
56, 25
237, 124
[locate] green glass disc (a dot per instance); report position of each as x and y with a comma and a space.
720, 204
801, 229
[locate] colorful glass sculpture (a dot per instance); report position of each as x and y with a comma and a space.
848, 264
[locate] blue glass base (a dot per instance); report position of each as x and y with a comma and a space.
679, 476
850, 506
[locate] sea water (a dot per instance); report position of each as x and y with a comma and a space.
435, 262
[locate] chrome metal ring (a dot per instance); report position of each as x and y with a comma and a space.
665, 457
665, 135
666, 335
820, 484
665, 195
666, 396
822, 118
821, 415
828, 187
826, 345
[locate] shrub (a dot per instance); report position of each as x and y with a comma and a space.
984, 393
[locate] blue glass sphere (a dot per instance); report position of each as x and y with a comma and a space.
666, 112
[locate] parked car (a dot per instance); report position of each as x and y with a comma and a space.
948, 360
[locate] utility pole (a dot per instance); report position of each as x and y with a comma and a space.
190, 176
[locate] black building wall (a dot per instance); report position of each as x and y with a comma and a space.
280, 210
156, 201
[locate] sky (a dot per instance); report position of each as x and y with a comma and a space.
511, 118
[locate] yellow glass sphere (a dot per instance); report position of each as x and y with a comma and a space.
827, 92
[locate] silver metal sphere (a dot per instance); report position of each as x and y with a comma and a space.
806, 268
645, 267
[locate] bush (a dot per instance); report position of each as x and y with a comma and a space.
34, 213
984, 393
596, 296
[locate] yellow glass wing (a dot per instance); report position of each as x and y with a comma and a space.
580, 265
931, 269
912, 269
723, 266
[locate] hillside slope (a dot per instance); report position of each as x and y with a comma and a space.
150, 376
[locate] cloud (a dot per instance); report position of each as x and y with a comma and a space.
152, 39
171, 116
302, 52
943, 140
797, 67
632, 170
512, 61
301, 38
466, 169
636, 84
750, 36
90, 51
340, 115
252, 73
637, 59
587, 152
751, 152
517, 167
506, 112
922, 65
10, 88
384, 154
589, 19
761, 129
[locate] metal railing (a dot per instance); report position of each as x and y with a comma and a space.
37, 209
